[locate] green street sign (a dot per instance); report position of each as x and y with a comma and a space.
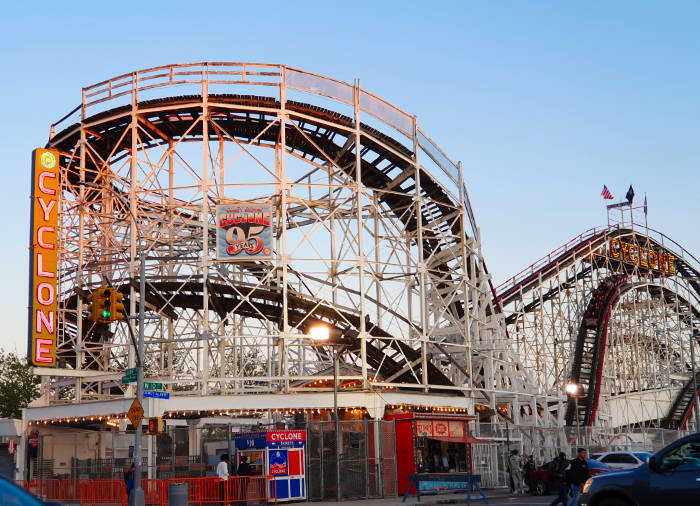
129, 376
147, 385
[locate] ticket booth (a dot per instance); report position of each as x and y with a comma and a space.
278, 454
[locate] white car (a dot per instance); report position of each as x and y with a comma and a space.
622, 459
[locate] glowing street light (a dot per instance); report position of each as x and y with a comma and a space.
571, 389
319, 333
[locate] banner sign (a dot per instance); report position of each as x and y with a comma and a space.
244, 232
43, 263
246, 440
278, 463
445, 430
286, 437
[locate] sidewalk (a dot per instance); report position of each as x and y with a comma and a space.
425, 499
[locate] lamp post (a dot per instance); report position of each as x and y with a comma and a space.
572, 391
324, 335
695, 384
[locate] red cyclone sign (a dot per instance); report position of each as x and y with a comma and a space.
276, 436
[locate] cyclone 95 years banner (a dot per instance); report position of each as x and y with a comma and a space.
244, 232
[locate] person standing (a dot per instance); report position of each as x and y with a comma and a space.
527, 470
244, 470
129, 479
222, 472
578, 474
557, 472
516, 463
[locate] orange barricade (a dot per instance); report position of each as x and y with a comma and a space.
50, 490
248, 489
103, 492
70, 489
200, 490
153, 491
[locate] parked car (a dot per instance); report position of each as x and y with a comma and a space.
12, 495
539, 483
671, 476
622, 459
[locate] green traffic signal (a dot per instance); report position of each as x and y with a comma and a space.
106, 314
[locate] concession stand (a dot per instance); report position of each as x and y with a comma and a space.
432, 443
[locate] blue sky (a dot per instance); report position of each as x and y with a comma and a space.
544, 102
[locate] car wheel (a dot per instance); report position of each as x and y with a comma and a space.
540, 488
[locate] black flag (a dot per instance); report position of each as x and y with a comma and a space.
630, 195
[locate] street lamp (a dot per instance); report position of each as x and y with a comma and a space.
323, 335
573, 390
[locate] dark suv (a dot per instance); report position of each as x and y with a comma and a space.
671, 476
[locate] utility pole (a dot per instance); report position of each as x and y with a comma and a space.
138, 498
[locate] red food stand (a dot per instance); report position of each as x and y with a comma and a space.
432, 443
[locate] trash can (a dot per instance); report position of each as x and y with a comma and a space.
179, 494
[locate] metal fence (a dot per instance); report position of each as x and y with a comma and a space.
367, 459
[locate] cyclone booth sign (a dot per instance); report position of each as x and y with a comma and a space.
244, 232
43, 244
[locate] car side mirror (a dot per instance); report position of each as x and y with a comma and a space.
653, 465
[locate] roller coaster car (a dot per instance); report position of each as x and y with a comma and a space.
671, 476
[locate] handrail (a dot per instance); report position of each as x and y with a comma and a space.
547, 259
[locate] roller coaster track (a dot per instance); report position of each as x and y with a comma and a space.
386, 165
265, 303
589, 352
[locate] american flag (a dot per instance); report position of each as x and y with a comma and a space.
606, 193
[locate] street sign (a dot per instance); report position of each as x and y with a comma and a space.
135, 413
156, 394
147, 385
129, 376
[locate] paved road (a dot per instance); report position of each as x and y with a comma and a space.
498, 499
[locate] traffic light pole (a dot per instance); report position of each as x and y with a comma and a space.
137, 493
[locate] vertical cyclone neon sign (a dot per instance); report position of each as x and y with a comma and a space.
43, 243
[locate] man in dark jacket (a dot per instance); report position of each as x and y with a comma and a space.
556, 470
244, 470
578, 474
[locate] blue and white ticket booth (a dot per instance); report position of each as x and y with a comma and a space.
280, 455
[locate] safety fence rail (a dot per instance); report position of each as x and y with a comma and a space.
208, 490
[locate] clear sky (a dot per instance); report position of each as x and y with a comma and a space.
544, 102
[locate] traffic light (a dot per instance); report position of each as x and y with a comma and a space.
155, 426
117, 307
99, 305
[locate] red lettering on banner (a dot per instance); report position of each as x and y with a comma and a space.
42, 320
40, 237
43, 351
42, 186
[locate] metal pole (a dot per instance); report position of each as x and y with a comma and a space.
138, 496
695, 385
336, 367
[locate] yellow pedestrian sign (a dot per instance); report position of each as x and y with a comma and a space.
135, 413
